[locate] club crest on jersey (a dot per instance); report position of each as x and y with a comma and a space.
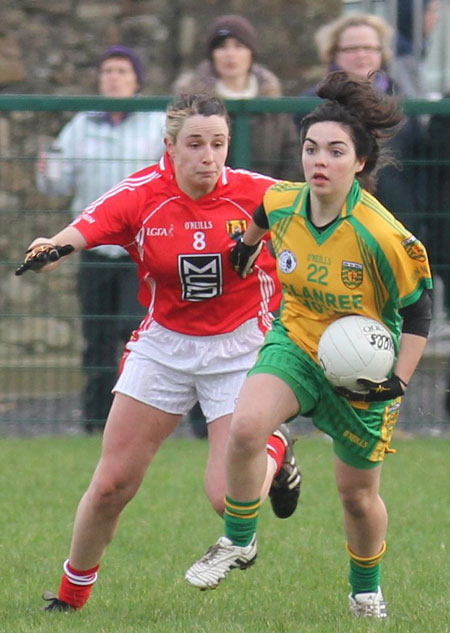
414, 248
352, 274
287, 261
235, 228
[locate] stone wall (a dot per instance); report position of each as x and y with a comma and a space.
52, 47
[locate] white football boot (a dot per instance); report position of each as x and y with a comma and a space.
218, 561
368, 605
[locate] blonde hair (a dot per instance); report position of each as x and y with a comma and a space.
328, 36
187, 105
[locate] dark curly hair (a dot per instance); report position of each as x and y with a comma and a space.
371, 117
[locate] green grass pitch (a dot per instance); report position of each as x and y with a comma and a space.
298, 585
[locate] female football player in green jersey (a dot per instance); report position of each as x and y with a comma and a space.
339, 252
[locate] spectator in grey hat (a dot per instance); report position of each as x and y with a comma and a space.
232, 26
230, 71
94, 152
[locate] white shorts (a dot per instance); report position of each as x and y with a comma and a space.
172, 371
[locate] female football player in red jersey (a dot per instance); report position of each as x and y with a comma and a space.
178, 220
320, 230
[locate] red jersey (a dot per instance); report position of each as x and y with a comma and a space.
181, 247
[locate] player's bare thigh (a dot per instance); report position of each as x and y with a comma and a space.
133, 433
356, 482
265, 402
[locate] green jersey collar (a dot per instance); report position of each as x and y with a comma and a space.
352, 199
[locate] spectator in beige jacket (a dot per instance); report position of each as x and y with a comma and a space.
231, 72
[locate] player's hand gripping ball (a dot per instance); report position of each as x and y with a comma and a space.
357, 355
41, 255
375, 391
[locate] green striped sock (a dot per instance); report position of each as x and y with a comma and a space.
241, 518
364, 579
365, 572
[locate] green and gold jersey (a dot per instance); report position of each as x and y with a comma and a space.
366, 262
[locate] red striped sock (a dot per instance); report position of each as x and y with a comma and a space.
276, 449
76, 585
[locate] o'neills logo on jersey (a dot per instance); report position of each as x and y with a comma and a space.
414, 248
202, 225
352, 274
287, 262
235, 228
160, 231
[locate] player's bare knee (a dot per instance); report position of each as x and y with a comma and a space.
355, 502
111, 494
245, 435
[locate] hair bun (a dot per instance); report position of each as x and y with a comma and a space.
376, 110
342, 87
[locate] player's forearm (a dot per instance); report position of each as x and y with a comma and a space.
253, 234
68, 235
410, 353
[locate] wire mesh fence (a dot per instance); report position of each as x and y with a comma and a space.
44, 364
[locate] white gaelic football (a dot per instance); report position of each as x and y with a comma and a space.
354, 347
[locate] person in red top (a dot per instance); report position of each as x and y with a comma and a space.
179, 221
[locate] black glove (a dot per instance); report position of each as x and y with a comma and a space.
42, 254
387, 389
242, 257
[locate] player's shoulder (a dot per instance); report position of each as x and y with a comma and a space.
284, 194
246, 176
377, 218
388, 232
243, 186
148, 176
141, 184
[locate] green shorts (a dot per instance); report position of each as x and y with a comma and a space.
361, 433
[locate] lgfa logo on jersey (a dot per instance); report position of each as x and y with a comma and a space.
160, 231
287, 262
414, 248
352, 274
235, 228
